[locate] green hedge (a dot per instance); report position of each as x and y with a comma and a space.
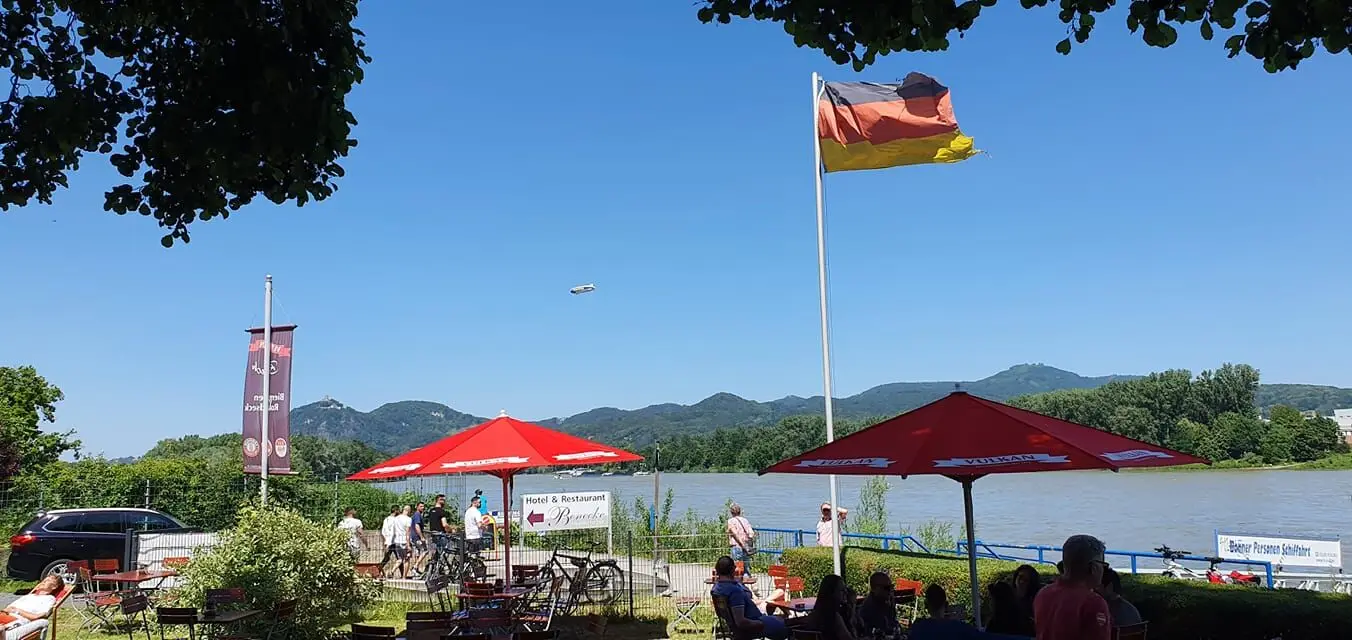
1176, 609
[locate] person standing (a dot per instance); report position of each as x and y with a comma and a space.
387, 537
741, 537
473, 534
435, 522
417, 540
403, 524
353, 527
1071, 608
826, 528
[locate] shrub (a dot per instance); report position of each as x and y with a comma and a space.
275, 554
1176, 609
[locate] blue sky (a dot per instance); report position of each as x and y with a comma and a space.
1141, 209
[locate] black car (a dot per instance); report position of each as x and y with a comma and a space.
44, 545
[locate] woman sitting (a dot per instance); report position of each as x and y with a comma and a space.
833, 611
29, 613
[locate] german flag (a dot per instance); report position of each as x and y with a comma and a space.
865, 125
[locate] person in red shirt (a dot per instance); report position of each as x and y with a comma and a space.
1070, 608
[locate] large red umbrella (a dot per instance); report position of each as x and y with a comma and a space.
965, 437
501, 447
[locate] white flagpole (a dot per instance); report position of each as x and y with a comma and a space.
267, 392
819, 87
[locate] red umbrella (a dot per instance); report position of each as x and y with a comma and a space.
965, 437
501, 447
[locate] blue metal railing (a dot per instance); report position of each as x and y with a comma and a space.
1032, 553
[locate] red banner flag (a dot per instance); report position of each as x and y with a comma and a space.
278, 445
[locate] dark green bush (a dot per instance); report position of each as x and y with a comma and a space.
1176, 609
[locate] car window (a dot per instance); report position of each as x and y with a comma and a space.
104, 522
151, 522
69, 522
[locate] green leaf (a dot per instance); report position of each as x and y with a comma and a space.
1168, 34
1256, 10
1063, 47
1207, 32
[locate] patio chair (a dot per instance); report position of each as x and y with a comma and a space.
102, 566
535, 635
908, 592
438, 594
133, 607
727, 624
429, 629
524, 573
42, 629
176, 617
538, 615
1131, 631
96, 608
368, 632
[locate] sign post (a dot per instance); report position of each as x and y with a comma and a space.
544, 512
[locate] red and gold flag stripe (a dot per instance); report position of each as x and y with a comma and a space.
866, 125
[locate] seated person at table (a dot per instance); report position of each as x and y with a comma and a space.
833, 611
35, 606
939, 625
878, 614
1124, 613
1006, 617
745, 614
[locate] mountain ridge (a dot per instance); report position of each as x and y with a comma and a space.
399, 426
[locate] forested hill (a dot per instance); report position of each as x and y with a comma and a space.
400, 426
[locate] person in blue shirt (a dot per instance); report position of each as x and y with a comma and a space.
940, 625
745, 614
483, 502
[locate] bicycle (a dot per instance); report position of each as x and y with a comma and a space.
590, 582
1173, 569
449, 559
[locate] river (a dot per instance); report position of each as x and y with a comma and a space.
1134, 511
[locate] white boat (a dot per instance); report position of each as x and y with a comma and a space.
608, 473
643, 473
559, 477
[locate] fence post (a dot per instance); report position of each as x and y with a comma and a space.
147, 493
630, 543
128, 553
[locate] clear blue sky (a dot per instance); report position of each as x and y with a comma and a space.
1141, 209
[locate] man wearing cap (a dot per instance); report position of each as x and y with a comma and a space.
1071, 608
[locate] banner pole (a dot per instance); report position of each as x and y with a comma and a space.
267, 391
818, 87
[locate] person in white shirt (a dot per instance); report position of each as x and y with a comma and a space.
403, 522
35, 606
473, 535
825, 531
353, 527
387, 537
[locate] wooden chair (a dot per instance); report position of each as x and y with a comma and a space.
97, 607
1131, 631
524, 573
368, 632
134, 606
176, 617
727, 624
107, 565
537, 615
429, 628
777, 571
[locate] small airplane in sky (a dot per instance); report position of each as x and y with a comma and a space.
582, 288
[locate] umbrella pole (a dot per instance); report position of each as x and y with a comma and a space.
971, 553
507, 529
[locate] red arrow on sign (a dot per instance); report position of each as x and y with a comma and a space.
535, 518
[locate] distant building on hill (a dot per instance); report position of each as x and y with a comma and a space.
1344, 419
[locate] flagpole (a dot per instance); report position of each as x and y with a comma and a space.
267, 392
818, 85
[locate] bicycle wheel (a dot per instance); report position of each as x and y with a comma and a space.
604, 583
473, 569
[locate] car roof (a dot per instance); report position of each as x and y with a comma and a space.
58, 512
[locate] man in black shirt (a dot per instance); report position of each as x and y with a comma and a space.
435, 521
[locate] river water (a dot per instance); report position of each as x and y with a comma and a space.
1132, 511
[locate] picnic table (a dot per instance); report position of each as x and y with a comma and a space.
792, 605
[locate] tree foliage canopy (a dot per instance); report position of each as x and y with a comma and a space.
26, 401
201, 105
1280, 33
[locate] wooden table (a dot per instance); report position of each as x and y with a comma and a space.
135, 577
793, 605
